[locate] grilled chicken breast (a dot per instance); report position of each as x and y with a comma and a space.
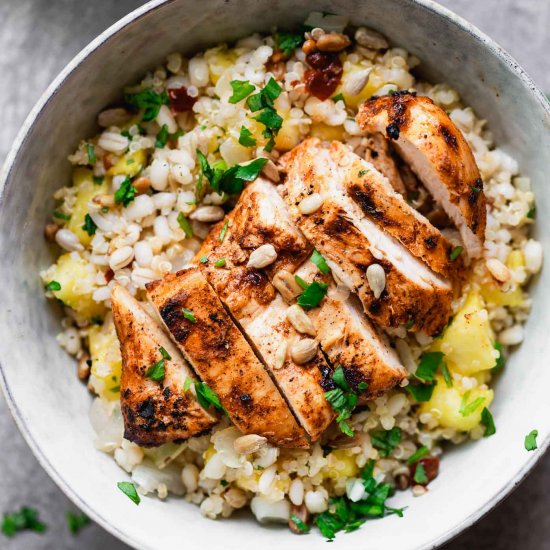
154, 412
386, 208
437, 152
261, 313
351, 242
223, 358
261, 217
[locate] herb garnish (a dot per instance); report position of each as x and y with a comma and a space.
421, 393
241, 89
90, 151
338, 97
129, 489
223, 231
89, 225
265, 97
185, 224
418, 455
98, 180
53, 285
26, 518
455, 253
420, 476
299, 524
203, 259
126, 193
313, 293
531, 440
162, 137
157, 371
287, 42
207, 397
532, 213
488, 421
189, 315
187, 385
61, 216
429, 363
446, 375
219, 263
319, 260
466, 409
386, 441
263, 100
501, 361
76, 521
246, 138
148, 100
345, 515
362, 173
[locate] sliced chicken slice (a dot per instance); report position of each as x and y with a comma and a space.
386, 208
412, 295
154, 412
349, 339
439, 155
223, 358
261, 313
261, 217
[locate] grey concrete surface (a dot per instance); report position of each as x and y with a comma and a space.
37, 38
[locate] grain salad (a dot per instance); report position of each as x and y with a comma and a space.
171, 160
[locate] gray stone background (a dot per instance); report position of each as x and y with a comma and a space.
37, 38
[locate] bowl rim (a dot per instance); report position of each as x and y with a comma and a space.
22, 136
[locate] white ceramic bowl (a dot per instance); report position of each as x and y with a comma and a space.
51, 405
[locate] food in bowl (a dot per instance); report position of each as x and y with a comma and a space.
290, 270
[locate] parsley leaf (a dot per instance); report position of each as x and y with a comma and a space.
466, 409
342, 399
455, 253
53, 285
245, 138
185, 224
385, 441
362, 173
76, 521
299, 524
187, 384
25, 518
287, 42
61, 216
429, 363
531, 440
417, 455
501, 361
319, 260
207, 397
98, 180
203, 259
126, 193
273, 123
338, 97
265, 97
446, 375
89, 225
532, 213
162, 137
220, 263
313, 293
223, 231
420, 476
90, 151
189, 315
488, 421
148, 100
241, 89
422, 392
129, 489
157, 371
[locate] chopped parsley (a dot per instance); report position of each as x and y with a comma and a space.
25, 519
189, 315
273, 123
265, 97
53, 285
61, 216
223, 231
89, 225
422, 392
90, 151
420, 476
220, 263
126, 193
203, 259
299, 524
532, 213
319, 260
345, 515
455, 253
531, 440
162, 137
130, 161
313, 293
98, 180
446, 375
187, 384
206, 397
362, 173
385, 441
246, 139
287, 42
241, 89
76, 521
129, 489
429, 363
501, 361
488, 421
418, 455
342, 399
148, 100
229, 180
466, 409
409, 324
185, 224
338, 97
157, 371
